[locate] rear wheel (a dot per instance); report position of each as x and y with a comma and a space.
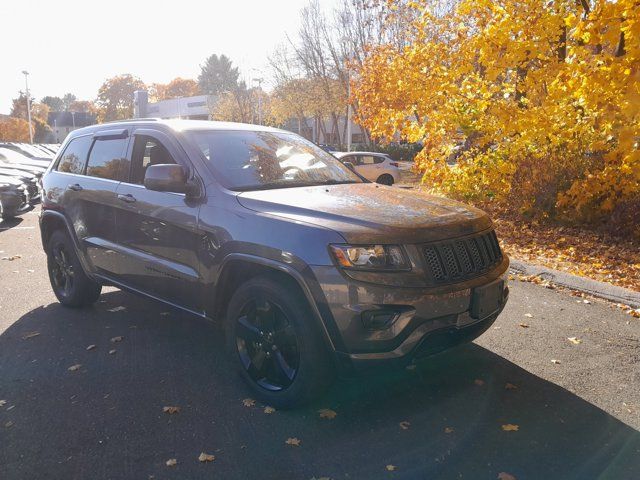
70, 284
385, 179
275, 342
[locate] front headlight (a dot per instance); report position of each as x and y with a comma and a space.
370, 257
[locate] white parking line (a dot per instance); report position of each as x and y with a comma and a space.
17, 228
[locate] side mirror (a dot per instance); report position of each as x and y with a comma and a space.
350, 166
166, 178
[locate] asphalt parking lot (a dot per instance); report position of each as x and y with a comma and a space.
495, 407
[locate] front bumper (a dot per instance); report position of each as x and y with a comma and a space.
426, 320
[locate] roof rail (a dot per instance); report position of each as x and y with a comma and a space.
150, 119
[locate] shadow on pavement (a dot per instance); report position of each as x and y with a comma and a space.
105, 420
9, 223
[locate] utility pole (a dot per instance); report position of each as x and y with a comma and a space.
259, 82
26, 83
348, 110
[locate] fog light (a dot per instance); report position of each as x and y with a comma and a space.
379, 319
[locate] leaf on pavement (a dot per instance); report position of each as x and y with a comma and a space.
524, 325
327, 413
404, 425
410, 367
172, 462
506, 476
12, 258
30, 335
3, 403
448, 430
269, 409
75, 367
171, 410
8, 424
91, 347
248, 402
510, 386
555, 362
117, 339
116, 309
528, 315
111, 352
510, 427
479, 382
293, 441
391, 468
205, 457
575, 340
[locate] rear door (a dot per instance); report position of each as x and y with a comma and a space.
86, 180
158, 231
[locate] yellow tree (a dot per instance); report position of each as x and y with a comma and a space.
14, 130
176, 88
536, 104
115, 97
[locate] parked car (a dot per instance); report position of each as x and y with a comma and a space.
310, 268
29, 180
16, 159
376, 167
13, 197
33, 151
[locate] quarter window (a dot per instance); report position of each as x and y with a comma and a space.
106, 159
75, 155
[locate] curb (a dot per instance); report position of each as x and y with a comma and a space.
586, 285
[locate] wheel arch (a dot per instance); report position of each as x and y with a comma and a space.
50, 221
236, 268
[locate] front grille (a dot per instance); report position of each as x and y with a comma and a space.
458, 260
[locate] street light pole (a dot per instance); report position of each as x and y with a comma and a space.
26, 83
259, 82
348, 110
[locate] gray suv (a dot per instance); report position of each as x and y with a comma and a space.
312, 269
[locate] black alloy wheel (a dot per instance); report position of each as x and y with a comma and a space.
62, 272
267, 345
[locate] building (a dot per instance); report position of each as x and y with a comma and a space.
194, 108
62, 123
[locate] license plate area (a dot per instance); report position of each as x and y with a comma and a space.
487, 299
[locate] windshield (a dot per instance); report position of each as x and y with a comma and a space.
254, 160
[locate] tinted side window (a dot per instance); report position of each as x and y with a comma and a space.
106, 159
75, 155
369, 160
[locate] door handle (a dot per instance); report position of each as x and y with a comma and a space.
76, 187
127, 198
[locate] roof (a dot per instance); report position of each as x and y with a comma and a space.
181, 125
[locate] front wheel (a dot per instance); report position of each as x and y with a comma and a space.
275, 342
385, 179
70, 284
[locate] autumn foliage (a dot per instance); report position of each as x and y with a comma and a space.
531, 105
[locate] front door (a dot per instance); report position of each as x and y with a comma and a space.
157, 232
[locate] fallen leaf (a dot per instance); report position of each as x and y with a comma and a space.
575, 340
404, 425
30, 335
586, 301
172, 462
117, 339
11, 407
448, 430
8, 424
12, 258
91, 347
528, 315
524, 325
506, 476
555, 362
111, 352
205, 457
391, 468
248, 402
293, 441
509, 427
510, 386
75, 367
410, 367
3, 403
171, 410
327, 413
116, 309
269, 409
479, 382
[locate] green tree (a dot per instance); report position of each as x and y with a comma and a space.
55, 104
68, 100
218, 75
115, 97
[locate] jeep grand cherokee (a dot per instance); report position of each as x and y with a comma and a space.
311, 268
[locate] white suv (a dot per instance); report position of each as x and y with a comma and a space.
376, 167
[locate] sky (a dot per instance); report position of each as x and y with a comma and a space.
73, 46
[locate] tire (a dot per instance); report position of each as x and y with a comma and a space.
70, 284
385, 179
292, 366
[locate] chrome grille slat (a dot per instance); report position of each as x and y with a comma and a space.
462, 259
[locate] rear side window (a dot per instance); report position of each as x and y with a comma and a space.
106, 159
75, 155
369, 160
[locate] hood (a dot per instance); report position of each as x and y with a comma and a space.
368, 212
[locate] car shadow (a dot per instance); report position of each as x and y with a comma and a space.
467, 413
